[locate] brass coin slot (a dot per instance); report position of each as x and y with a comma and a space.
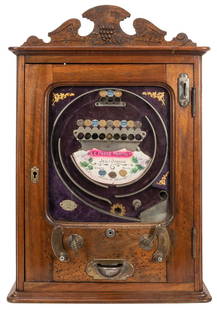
110, 269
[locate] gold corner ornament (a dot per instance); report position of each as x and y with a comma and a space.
118, 209
60, 96
160, 96
163, 180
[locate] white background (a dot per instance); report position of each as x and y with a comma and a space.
19, 20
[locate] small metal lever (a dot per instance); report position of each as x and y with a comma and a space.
163, 243
57, 244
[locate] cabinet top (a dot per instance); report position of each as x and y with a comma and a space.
107, 35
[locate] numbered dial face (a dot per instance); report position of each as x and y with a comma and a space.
108, 149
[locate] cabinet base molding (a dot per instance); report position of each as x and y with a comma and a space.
53, 293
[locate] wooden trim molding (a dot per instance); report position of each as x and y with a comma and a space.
108, 34
110, 296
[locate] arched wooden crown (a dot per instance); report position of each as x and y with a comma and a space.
107, 32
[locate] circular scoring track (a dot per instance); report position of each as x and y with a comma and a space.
65, 142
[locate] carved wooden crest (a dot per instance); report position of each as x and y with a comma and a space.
107, 32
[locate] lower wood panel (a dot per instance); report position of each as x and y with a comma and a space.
125, 246
66, 287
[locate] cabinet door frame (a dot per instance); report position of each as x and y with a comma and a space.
49, 78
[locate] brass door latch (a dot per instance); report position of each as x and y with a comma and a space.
183, 90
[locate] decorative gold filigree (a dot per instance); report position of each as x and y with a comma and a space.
163, 180
60, 96
118, 209
160, 96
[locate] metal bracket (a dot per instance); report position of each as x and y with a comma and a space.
163, 243
193, 101
183, 90
57, 244
194, 235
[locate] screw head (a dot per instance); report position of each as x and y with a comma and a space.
137, 203
62, 258
110, 233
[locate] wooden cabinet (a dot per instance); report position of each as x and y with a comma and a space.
109, 165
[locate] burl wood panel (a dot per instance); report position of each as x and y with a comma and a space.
125, 245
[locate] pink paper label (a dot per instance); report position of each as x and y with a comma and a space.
117, 154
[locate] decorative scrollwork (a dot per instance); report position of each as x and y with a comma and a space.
163, 180
60, 96
107, 31
160, 96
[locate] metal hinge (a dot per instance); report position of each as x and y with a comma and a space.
194, 235
193, 101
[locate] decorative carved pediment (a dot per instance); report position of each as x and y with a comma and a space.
107, 31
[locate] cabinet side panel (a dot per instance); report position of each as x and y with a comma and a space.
20, 190
197, 175
181, 263
38, 249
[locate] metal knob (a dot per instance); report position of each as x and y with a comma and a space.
75, 242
